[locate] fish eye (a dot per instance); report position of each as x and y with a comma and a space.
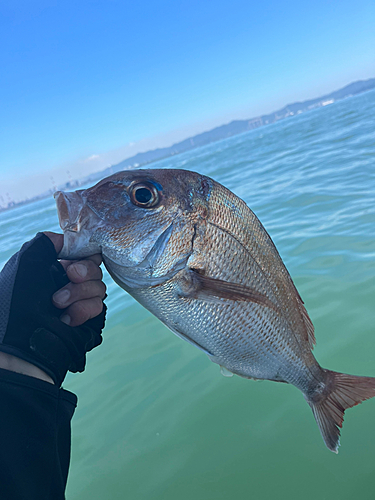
144, 195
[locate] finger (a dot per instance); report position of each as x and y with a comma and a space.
81, 311
96, 259
67, 263
57, 240
83, 270
74, 292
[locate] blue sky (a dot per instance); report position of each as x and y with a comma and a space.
85, 84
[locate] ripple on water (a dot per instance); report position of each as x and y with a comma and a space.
155, 419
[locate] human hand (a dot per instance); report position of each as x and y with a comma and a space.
30, 324
82, 298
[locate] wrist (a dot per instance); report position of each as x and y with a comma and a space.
18, 365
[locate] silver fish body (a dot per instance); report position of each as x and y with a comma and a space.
198, 258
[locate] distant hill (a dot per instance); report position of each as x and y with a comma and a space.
236, 127
233, 128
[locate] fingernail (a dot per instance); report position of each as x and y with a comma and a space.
65, 318
62, 296
80, 269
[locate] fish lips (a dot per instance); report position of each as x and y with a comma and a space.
79, 223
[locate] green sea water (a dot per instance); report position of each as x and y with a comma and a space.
156, 420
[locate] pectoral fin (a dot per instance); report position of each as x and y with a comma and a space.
197, 285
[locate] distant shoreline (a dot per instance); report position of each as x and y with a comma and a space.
216, 134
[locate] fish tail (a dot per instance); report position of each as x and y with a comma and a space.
341, 391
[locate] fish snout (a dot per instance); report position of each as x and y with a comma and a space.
69, 207
78, 223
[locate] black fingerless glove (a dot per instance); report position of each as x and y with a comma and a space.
30, 327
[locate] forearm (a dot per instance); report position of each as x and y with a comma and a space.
18, 365
37, 348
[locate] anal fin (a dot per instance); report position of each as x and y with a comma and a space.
225, 372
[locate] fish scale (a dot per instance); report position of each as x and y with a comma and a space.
246, 272
244, 226
195, 255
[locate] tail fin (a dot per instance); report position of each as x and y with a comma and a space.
342, 392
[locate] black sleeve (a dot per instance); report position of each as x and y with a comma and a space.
34, 438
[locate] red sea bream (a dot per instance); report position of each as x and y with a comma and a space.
197, 257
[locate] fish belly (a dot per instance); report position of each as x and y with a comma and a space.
236, 335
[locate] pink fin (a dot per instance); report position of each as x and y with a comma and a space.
341, 392
204, 286
308, 332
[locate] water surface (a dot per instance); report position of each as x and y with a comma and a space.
156, 420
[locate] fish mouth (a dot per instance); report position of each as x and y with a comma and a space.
78, 223
69, 206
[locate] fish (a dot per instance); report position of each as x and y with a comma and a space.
196, 256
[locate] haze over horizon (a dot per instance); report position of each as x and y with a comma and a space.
87, 85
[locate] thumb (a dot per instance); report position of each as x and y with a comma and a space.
57, 240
